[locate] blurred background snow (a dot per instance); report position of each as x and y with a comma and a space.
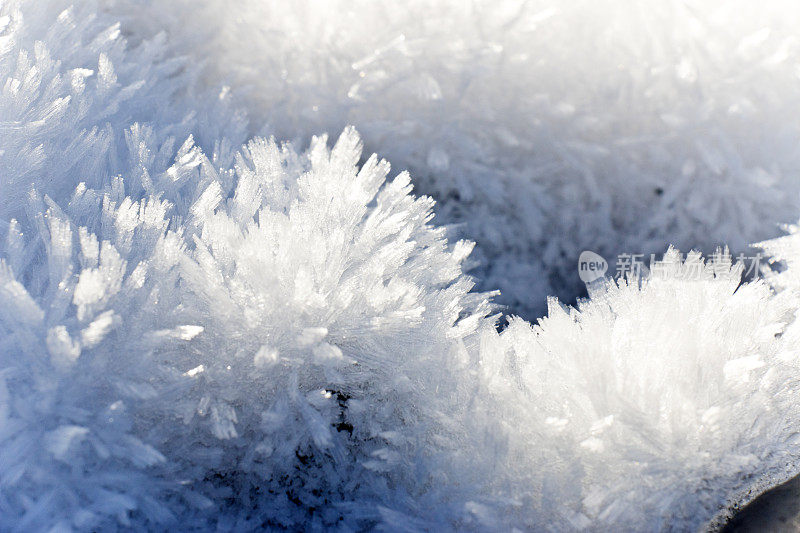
541, 128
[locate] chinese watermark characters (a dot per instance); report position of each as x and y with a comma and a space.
592, 266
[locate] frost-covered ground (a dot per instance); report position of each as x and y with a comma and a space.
207, 328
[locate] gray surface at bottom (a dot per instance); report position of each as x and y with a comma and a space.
777, 510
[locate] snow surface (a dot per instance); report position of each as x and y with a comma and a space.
205, 328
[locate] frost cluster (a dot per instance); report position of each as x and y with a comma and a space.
203, 331
656, 405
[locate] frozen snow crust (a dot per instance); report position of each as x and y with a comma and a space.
204, 330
